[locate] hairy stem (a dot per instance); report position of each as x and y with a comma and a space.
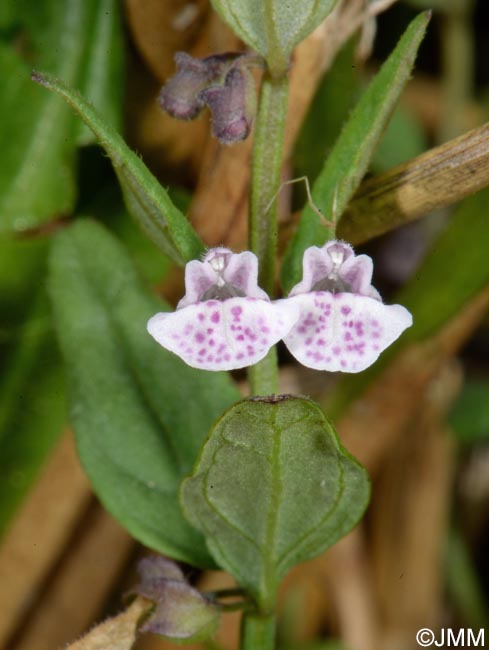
265, 176
263, 228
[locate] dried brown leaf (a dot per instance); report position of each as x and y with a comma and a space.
118, 633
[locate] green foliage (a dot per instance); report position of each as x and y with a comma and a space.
139, 413
101, 77
335, 97
463, 582
353, 151
146, 199
470, 415
273, 27
273, 487
453, 272
32, 405
37, 132
402, 140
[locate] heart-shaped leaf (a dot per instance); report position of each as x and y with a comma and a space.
273, 487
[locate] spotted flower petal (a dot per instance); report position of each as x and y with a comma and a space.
225, 321
343, 324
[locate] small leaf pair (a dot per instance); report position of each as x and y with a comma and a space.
332, 320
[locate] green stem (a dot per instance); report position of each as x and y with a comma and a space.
265, 176
257, 632
265, 184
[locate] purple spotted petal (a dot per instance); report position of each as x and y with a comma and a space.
226, 335
343, 331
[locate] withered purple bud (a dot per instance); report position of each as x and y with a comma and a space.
223, 82
181, 612
180, 97
232, 106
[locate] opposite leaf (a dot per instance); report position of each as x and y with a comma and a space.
146, 199
139, 413
273, 27
273, 487
353, 151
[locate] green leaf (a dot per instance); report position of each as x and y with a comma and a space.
36, 131
139, 413
335, 98
353, 151
273, 487
273, 27
146, 199
402, 140
32, 406
104, 66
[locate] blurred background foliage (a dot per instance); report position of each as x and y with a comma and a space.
419, 420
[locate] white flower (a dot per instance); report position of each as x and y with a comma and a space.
343, 324
224, 321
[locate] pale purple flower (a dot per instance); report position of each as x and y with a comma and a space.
224, 321
343, 324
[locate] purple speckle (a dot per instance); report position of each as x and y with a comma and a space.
201, 316
215, 318
236, 311
345, 310
202, 351
336, 350
200, 337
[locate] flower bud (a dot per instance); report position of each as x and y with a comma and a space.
224, 83
181, 612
